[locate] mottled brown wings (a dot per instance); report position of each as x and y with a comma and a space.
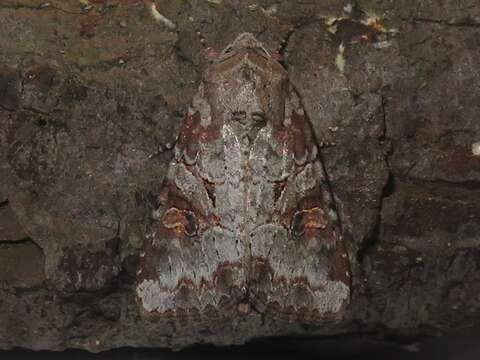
299, 265
190, 264
247, 216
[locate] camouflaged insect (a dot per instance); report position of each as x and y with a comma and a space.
246, 219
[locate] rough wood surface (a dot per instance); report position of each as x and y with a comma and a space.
92, 97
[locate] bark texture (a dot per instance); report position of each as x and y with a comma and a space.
92, 97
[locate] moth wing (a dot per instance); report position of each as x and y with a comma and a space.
299, 265
187, 266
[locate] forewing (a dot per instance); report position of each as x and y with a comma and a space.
190, 265
299, 265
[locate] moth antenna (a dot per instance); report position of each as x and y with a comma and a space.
284, 42
286, 38
210, 53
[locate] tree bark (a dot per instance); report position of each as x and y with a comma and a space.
92, 97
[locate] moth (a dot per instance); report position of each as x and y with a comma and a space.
246, 219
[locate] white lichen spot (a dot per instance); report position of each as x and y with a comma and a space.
332, 29
415, 347
476, 148
348, 9
374, 21
382, 44
78, 283
340, 60
158, 17
329, 21
332, 214
314, 153
272, 10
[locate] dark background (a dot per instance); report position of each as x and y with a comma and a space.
462, 345
91, 97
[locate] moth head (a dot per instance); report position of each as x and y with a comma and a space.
244, 102
243, 42
246, 87
247, 124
